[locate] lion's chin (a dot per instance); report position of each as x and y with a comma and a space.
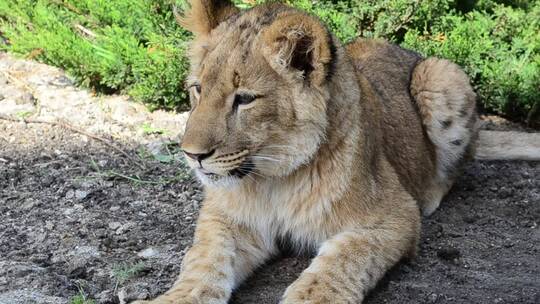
217, 181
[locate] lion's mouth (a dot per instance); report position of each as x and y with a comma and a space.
245, 168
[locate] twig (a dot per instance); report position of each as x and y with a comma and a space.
85, 31
135, 180
18, 81
67, 126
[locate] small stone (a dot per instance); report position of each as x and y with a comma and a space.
508, 243
448, 253
80, 194
61, 81
2, 97
115, 225
148, 253
78, 272
70, 194
47, 181
124, 228
29, 204
105, 296
26, 98
132, 292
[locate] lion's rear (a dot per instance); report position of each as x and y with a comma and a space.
429, 115
446, 102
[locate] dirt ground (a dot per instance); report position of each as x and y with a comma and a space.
71, 220
79, 218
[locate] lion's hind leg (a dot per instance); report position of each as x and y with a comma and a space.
446, 102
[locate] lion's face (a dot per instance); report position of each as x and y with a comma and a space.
258, 104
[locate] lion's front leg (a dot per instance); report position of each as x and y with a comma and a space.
222, 255
350, 264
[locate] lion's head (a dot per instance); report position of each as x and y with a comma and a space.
258, 88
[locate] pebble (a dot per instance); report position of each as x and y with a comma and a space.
148, 253
61, 81
70, 194
448, 253
26, 98
433, 297
131, 293
80, 194
114, 225
124, 228
105, 297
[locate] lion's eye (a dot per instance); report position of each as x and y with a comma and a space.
196, 90
243, 99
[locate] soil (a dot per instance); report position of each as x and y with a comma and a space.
78, 217
70, 223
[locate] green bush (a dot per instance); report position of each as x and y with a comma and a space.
135, 47
500, 52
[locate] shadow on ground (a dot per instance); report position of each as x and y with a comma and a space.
78, 217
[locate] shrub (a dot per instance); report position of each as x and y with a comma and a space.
132, 47
135, 47
499, 51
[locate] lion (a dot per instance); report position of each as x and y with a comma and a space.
337, 149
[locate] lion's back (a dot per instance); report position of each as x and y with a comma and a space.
388, 69
428, 111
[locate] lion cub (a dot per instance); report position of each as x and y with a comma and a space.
337, 148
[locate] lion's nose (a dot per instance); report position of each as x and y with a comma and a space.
199, 156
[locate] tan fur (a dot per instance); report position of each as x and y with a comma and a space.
338, 150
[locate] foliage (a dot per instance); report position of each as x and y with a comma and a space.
500, 52
81, 299
122, 273
112, 46
135, 47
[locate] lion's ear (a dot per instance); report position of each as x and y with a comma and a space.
300, 45
204, 15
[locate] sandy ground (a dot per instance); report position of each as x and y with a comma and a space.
79, 217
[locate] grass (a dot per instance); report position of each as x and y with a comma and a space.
143, 52
81, 298
172, 157
124, 272
148, 129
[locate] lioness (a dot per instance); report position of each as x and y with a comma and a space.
335, 148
